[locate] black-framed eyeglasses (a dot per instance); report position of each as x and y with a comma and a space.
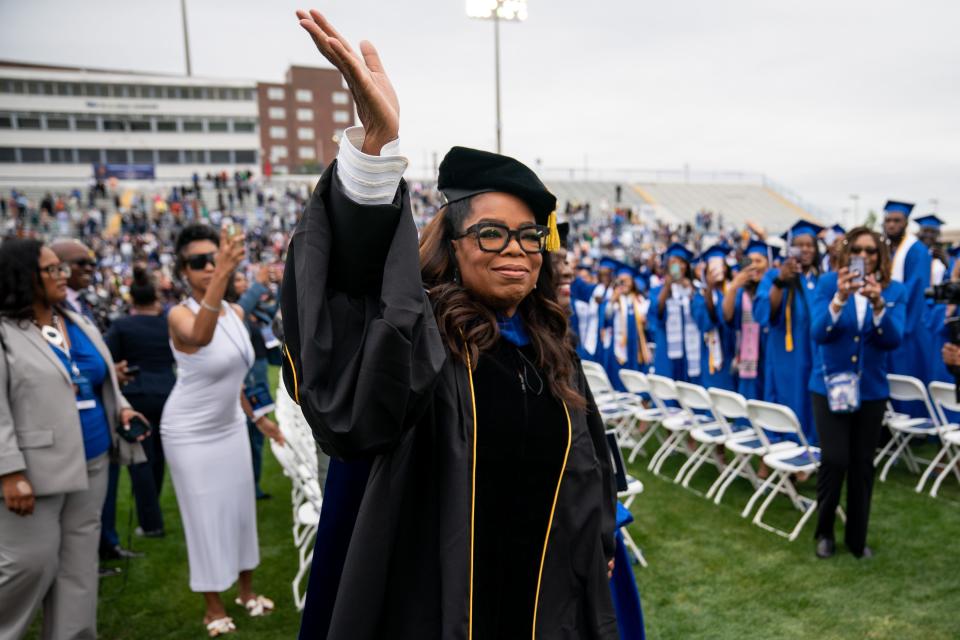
83, 263
53, 270
870, 251
200, 261
494, 237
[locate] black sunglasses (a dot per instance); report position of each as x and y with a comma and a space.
83, 262
494, 237
870, 251
200, 261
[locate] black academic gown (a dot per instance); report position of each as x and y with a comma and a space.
366, 362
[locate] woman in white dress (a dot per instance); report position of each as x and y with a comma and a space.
205, 433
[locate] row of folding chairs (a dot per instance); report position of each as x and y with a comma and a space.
298, 458
937, 399
714, 419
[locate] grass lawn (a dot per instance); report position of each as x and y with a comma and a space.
712, 574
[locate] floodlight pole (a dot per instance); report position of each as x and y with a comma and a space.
186, 39
496, 62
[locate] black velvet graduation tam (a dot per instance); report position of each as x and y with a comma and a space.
466, 172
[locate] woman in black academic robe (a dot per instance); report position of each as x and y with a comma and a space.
447, 377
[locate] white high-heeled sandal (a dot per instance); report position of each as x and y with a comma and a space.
220, 626
256, 607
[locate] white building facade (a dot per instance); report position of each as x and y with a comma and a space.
56, 123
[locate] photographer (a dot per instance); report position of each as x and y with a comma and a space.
848, 383
782, 308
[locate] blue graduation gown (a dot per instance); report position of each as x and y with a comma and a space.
722, 376
786, 372
749, 388
662, 364
911, 358
611, 360
580, 293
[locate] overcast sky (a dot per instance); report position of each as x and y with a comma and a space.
828, 98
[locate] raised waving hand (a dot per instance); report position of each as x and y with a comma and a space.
376, 101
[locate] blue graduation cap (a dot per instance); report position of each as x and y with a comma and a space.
802, 228
758, 246
893, 206
719, 250
642, 280
679, 251
838, 230
621, 268
608, 263
930, 220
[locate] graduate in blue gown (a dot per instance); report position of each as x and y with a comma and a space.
738, 314
625, 317
911, 266
670, 319
783, 303
718, 346
588, 298
833, 240
581, 293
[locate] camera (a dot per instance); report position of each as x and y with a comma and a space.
946, 293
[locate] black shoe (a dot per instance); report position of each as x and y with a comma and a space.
119, 553
825, 548
106, 572
264, 496
152, 533
866, 554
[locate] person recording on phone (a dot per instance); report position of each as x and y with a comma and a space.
677, 338
737, 307
782, 307
858, 319
204, 430
61, 417
719, 339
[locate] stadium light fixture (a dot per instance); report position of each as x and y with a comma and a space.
497, 11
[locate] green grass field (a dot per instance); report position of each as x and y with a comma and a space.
712, 574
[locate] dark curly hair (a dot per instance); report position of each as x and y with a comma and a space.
193, 233
19, 271
470, 327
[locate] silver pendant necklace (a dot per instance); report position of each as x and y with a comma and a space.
51, 333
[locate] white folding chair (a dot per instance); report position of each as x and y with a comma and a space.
678, 423
904, 428
744, 444
710, 436
636, 383
800, 459
615, 407
944, 399
628, 488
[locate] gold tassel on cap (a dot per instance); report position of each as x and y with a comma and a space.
553, 238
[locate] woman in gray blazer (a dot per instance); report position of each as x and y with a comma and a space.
60, 405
